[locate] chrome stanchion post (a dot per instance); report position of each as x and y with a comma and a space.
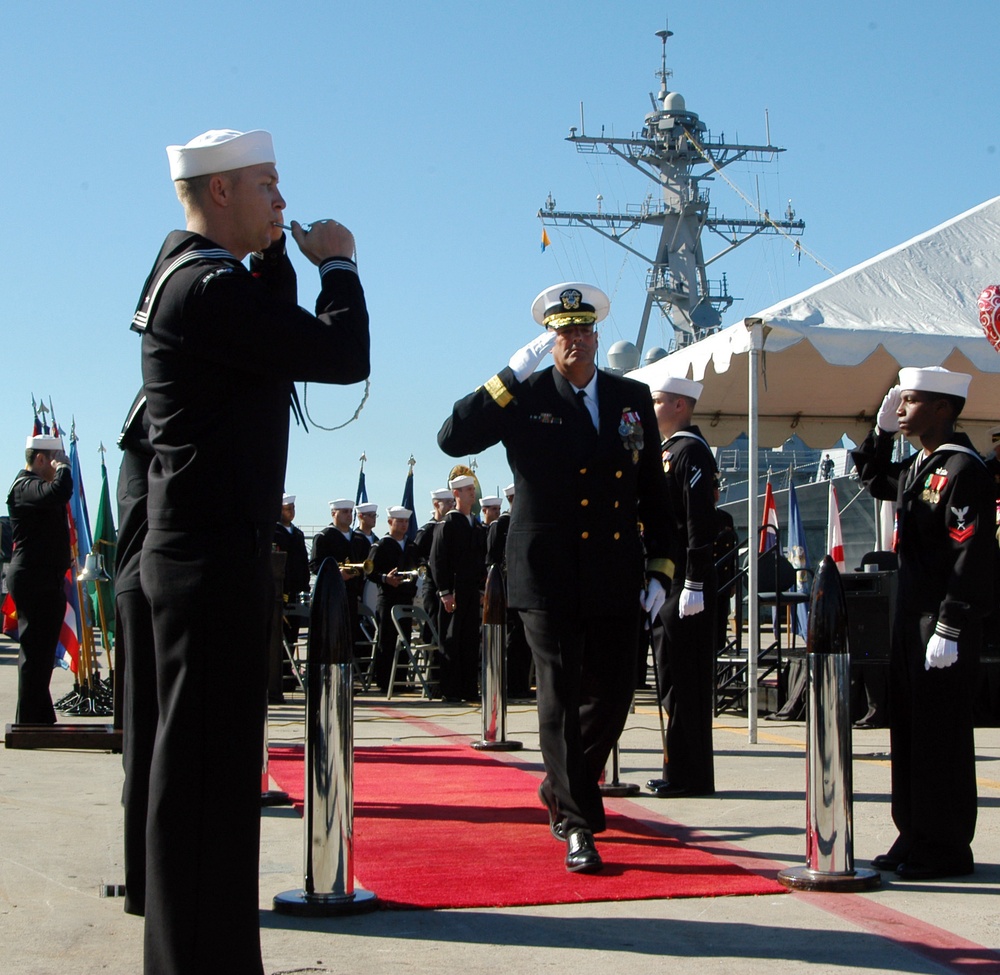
829, 787
269, 796
610, 784
329, 761
494, 672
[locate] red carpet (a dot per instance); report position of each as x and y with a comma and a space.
439, 827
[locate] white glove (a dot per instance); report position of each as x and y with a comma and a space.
653, 598
941, 652
886, 417
525, 361
692, 600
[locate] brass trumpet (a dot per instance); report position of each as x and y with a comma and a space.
358, 568
411, 575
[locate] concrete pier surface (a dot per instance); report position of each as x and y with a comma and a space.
61, 847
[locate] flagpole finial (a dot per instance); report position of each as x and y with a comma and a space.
411, 463
102, 450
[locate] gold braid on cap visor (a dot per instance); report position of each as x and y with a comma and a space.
562, 319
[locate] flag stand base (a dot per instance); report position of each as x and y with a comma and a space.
99, 737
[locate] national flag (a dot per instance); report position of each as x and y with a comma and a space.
885, 527
769, 524
80, 540
545, 240
834, 533
68, 647
105, 545
407, 502
799, 557
78, 505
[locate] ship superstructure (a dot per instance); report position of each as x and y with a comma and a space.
676, 151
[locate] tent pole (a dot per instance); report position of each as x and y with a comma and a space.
756, 328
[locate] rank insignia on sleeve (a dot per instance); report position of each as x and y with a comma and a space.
934, 485
695, 476
961, 532
630, 430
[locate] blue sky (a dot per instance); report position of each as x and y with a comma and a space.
435, 132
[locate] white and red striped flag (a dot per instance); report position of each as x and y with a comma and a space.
834, 533
769, 524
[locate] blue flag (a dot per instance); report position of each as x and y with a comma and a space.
78, 505
799, 558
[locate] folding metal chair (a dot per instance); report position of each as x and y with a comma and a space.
298, 651
414, 654
365, 647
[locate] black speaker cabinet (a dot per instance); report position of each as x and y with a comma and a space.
871, 603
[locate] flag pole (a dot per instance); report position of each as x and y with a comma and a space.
756, 328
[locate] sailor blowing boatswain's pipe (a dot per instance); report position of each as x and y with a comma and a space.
221, 348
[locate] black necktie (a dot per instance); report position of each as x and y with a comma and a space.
581, 398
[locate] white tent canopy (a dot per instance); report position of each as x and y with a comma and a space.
831, 352
818, 364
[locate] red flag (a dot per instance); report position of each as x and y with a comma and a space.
769, 525
9, 611
834, 533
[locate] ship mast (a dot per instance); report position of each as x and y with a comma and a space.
676, 151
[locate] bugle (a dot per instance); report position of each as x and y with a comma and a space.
411, 575
358, 568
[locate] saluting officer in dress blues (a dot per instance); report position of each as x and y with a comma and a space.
585, 472
35, 577
946, 513
683, 635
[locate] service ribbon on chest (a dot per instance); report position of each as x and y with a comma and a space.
630, 430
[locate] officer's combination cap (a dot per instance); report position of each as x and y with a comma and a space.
570, 303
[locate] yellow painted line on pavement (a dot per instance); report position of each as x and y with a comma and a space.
774, 739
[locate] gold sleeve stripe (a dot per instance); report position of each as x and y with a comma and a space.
501, 395
664, 566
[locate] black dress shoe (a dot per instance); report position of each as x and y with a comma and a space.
915, 870
665, 790
894, 856
887, 861
581, 854
557, 825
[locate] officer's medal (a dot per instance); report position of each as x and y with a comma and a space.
934, 485
630, 430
